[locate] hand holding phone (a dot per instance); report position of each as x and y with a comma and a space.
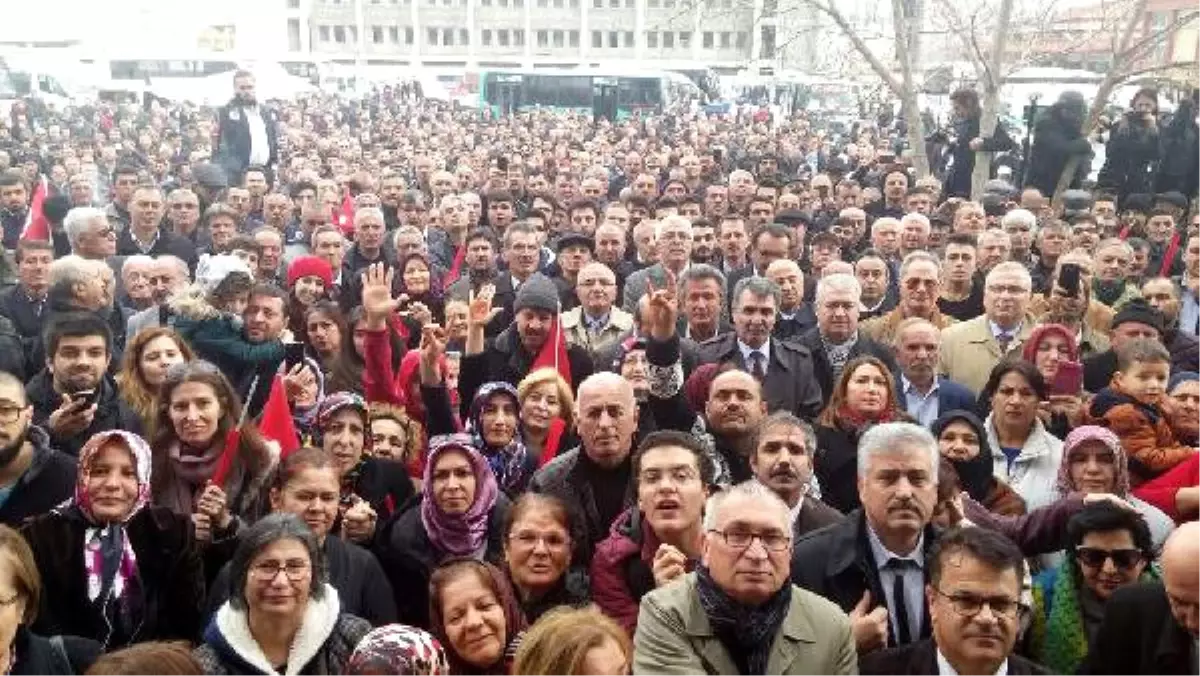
1068, 379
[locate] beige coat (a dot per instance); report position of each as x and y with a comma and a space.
620, 323
970, 351
674, 636
882, 329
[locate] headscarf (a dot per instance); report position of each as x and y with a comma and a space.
458, 534
398, 649
331, 406
1078, 437
1030, 349
974, 474
509, 463
109, 561
435, 293
514, 618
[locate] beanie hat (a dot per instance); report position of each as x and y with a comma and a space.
1137, 310
1180, 377
538, 293
309, 266
212, 270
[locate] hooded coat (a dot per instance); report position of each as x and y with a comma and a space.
1131, 158
217, 337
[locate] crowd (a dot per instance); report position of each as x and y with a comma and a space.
388, 386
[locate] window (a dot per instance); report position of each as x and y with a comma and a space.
614, 3
485, 36
668, 40
573, 38
394, 34
542, 39
543, 3
613, 40
464, 36
323, 32
431, 36
558, 38
597, 4
377, 34
597, 39
410, 36
339, 34
767, 47
725, 39
652, 3
502, 38
294, 35
448, 37
574, 4
685, 39
708, 39
652, 39
628, 39
293, 4
558, 3
519, 37
741, 40
669, 4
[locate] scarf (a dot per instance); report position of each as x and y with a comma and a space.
746, 632
190, 471
458, 534
398, 649
1085, 433
509, 463
514, 621
975, 475
857, 422
1108, 292
838, 354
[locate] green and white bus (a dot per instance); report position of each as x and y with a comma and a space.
604, 93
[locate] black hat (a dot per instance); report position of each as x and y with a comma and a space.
1174, 198
574, 239
539, 293
790, 217
1138, 201
1137, 310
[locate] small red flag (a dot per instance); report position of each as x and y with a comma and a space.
344, 216
36, 226
460, 255
233, 438
554, 353
554, 437
276, 423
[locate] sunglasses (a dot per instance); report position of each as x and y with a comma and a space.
1095, 558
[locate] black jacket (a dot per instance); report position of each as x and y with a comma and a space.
920, 657
799, 324
14, 350
168, 243
46, 400
1179, 155
1055, 140
836, 466
1139, 635
386, 486
25, 314
170, 574
958, 179
789, 385
64, 655
233, 137
836, 562
47, 483
824, 370
572, 478
505, 359
1130, 158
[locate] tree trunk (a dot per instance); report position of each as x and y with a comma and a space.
990, 102
909, 34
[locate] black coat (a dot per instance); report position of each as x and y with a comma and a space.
64, 655
46, 400
824, 370
1179, 157
789, 385
958, 179
386, 486
25, 314
1139, 635
836, 466
49, 481
505, 359
920, 657
167, 244
170, 574
1055, 141
1130, 158
233, 138
836, 562
14, 350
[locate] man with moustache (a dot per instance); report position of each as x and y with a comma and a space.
34, 477
782, 461
247, 135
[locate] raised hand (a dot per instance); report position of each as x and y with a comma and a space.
662, 308
377, 301
479, 307
433, 343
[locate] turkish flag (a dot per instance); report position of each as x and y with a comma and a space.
36, 226
276, 423
554, 353
344, 217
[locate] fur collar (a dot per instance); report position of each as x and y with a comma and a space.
320, 619
192, 302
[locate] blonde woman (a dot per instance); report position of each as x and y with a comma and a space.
574, 641
547, 414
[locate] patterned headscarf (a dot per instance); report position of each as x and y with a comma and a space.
508, 463
1077, 438
398, 649
458, 534
331, 406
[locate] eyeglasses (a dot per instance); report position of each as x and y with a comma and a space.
1093, 557
267, 571
740, 539
529, 540
10, 413
969, 605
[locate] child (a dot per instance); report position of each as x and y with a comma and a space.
1132, 406
208, 314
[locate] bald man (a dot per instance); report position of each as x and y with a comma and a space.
1153, 627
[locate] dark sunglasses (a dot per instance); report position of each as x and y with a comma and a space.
1121, 558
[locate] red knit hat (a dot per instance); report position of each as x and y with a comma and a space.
310, 266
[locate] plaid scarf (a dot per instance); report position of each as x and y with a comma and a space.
838, 354
746, 632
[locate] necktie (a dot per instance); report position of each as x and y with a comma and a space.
899, 601
757, 366
1005, 339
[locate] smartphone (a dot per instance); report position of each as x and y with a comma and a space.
293, 354
1068, 379
85, 398
1069, 278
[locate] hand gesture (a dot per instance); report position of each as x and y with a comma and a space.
358, 522
433, 344
377, 301
663, 308
71, 417
479, 307
297, 381
870, 627
212, 503
420, 313
202, 527
669, 563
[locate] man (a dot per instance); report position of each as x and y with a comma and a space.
479, 262
509, 356
785, 369
501, 211
704, 242
702, 294
135, 282
1188, 284
872, 563
1019, 224
823, 250
972, 348
221, 221
914, 233
924, 394
782, 461
742, 189
1085, 233
90, 234
733, 242
974, 600
25, 303
1162, 234
970, 218
796, 315
167, 276
1053, 240
1075, 308
732, 413
674, 244
124, 180
885, 237
329, 244
34, 477
572, 251
247, 134
920, 291
1110, 283
1153, 627
596, 324
761, 212
660, 538
874, 276
1162, 295
992, 248
521, 255
368, 246
701, 624
73, 397
836, 340
270, 257
146, 236
769, 243
895, 187
594, 479
1136, 320
183, 214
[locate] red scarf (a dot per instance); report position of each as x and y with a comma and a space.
849, 419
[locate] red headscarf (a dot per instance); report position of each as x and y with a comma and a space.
1030, 349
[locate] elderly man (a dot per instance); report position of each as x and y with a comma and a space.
90, 234
739, 613
1153, 627
1162, 294
702, 299
167, 276
972, 348
782, 460
970, 569
183, 214
992, 247
876, 279
837, 338
785, 369
923, 394
135, 279
1111, 284
673, 238
885, 237
920, 290
768, 243
145, 234
596, 324
915, 229
368, 246
796, 315
1020, 224
1053, 240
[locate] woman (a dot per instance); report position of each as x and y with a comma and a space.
963, 442
308, 485
325, 327
147, 358
574, 641
309, 279
398, 649
123, 572
417, 280
537, 556
865, 395
547, 414
1025, 455
196, 409
494, 423
1107, 548
395, 436
1050, 345
1132, 150
279, 623
475, 615
460, 512
383, 486
22, 651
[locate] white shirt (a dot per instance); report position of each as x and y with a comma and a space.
944, 668
914, 583
746, 350
260, 146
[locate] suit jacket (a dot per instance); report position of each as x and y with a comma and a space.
789, 385
920, 657
882, 329
619, 324
233, 137
25, 315
674, 636
970, 351
814, 515
167, 243
804, 320
824, 370
951, 396
1139, 635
